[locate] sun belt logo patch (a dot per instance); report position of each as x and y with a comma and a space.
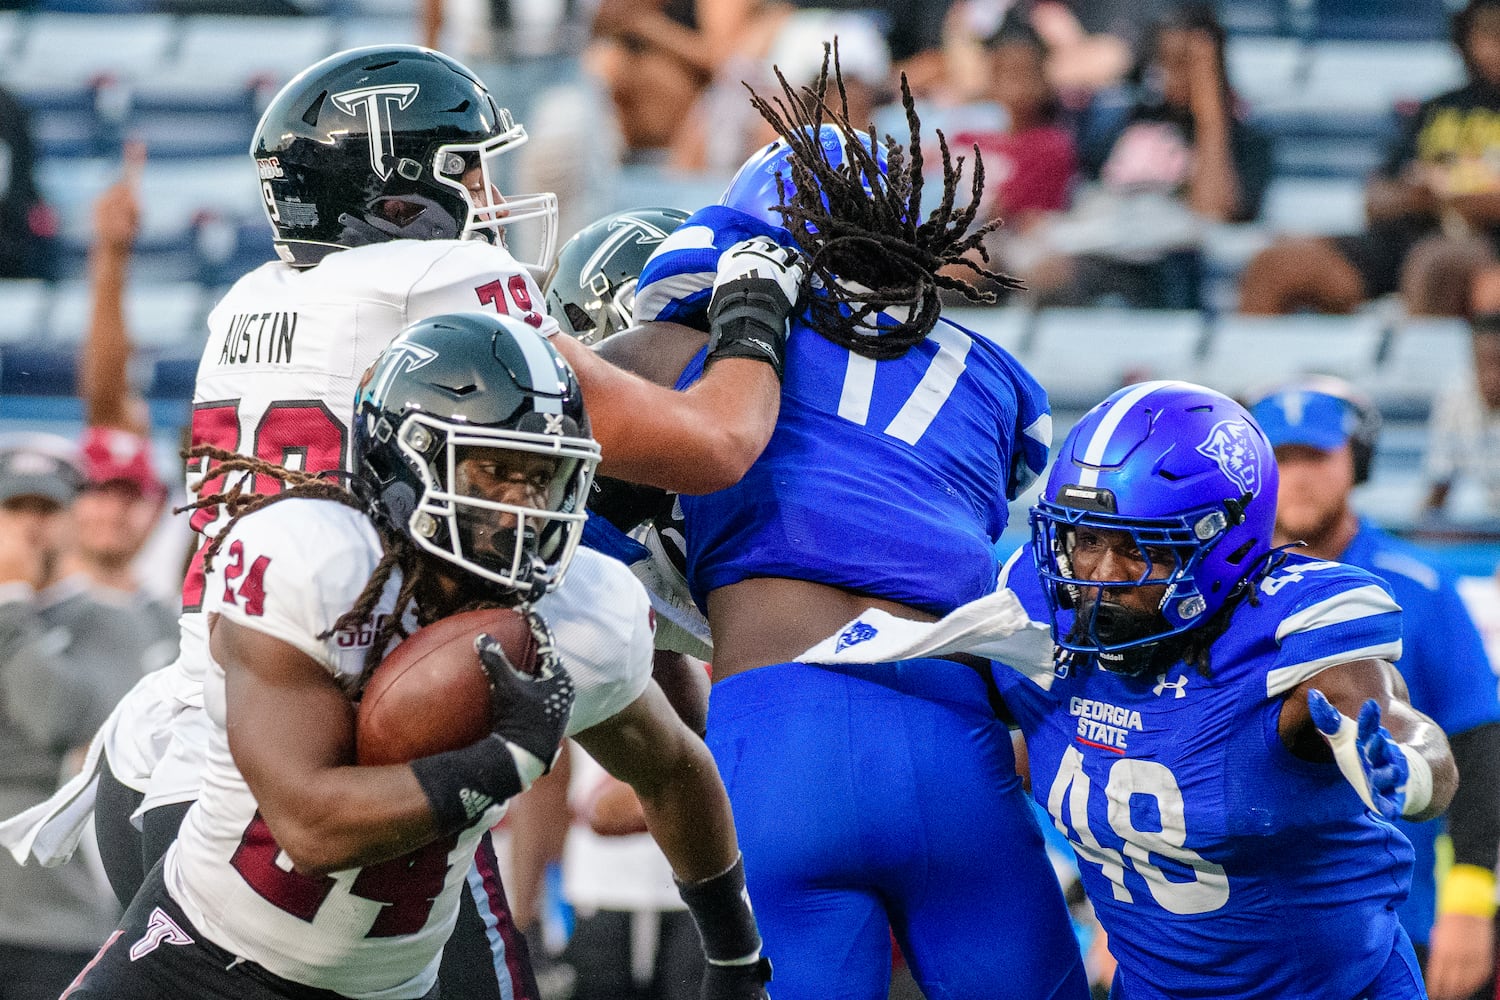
854, 634
1229, 445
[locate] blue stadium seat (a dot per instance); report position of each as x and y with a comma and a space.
23, 310
1387, 20
1254, 17
1265, 70
1248, 352
157, 315
1314, 206
1082, 355
222, 62
71, 52
1424, 355
384, 30
1008, 326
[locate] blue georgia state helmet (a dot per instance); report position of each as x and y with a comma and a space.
753, 189
1188, 474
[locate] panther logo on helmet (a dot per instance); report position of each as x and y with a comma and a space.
1230, 446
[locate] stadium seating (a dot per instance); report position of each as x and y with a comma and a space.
1247, 352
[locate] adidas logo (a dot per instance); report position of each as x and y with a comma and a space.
474, 802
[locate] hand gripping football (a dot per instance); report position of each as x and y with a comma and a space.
431, 694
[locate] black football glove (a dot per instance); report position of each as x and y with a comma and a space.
530, 713
737, 982
757, 284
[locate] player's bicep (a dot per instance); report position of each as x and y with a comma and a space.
285, 715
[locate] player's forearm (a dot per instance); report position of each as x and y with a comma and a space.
696, 441
1474, 814
688, 814
1421, 736
348, 817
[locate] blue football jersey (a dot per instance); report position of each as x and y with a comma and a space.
1220, 864
890, 478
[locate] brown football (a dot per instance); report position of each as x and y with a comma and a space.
431, 694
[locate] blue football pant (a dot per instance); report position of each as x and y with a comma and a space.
885, 795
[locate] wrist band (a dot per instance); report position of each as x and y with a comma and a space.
721, 908
1467, 889
461, 785
1418, 781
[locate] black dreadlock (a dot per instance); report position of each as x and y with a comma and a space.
859, 223
397, 550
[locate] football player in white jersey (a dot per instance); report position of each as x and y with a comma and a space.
298, 873
378, 170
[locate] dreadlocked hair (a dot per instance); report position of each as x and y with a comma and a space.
397, 551
859, 224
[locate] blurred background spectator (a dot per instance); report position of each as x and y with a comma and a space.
27, 224
1433, 209
1174, 158
61, 671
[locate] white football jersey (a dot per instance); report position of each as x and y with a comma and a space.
290, 571
287, 347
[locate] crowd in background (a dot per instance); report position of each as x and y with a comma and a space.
1113, 139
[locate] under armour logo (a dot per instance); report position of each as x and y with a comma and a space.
1177, 686
854, 635
554, 424
378, 104
160, 929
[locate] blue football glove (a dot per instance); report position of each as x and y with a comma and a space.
1390, 779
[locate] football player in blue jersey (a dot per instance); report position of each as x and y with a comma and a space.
1324, 431
1221, 734
876, 796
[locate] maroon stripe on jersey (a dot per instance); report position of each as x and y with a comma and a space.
507, 945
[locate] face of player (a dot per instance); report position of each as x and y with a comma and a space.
113, 521
498, 475
1116, 615
31, 531
1313, 495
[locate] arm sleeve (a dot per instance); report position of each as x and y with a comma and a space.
678, 279
1474, 816
1350, 615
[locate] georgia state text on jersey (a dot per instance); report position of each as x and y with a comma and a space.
1220, 864
290, 571
888, 524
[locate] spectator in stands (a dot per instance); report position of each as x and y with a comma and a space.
1091, 45
28, 226
1029, 167
1324, 432
656, 58
1463, 432
1177, 159
723, 130
58, 655
1433, 209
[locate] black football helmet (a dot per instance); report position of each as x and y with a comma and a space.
591, 290
368, 127
475, 388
